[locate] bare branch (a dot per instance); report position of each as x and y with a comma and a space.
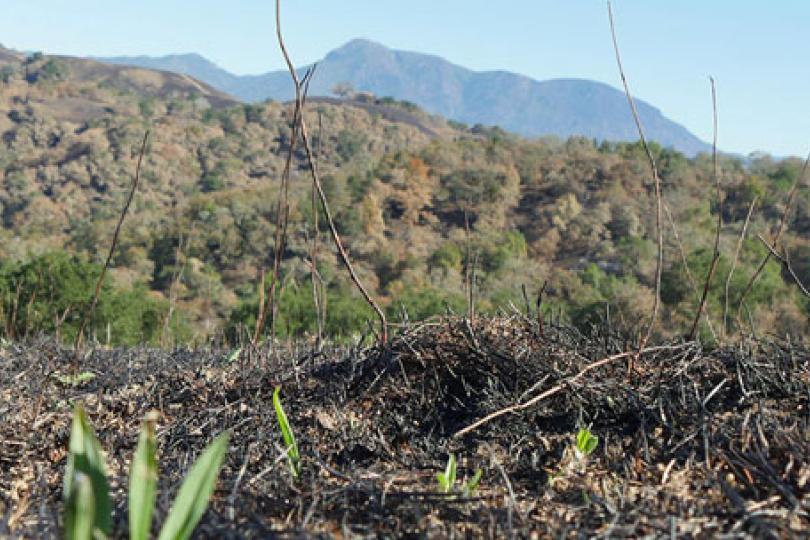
786, 263
684, 260
313, 167
777, 237
734, 263
657, 181
282, 217
716, 254
77, 344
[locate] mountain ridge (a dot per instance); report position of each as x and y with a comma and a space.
515, 102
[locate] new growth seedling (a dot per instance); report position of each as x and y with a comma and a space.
88, 508
586, 442
447, 479
290, 446
575, 457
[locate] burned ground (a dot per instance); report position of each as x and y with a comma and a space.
692, 442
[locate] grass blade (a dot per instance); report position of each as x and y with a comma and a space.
450, 472
192, 500
472, 484
447, 479
290, 445
85, 463
143, 481
80, 510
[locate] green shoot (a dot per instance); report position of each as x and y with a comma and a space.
471, 485
80, 509
143, 481
447, 479
192, 500
586, 442
290, 446
88, 510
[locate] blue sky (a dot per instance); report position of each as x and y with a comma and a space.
756, 50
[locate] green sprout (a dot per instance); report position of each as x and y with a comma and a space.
471, 485
586, 442
290, 446
447, 479
88, 508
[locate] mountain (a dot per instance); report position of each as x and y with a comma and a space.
562, 107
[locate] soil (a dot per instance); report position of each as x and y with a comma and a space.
693, 443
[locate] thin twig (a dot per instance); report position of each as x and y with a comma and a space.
317, 285
313, 167
282, 221
716, 254
777, 235
734, 263
786, 263
90, 312
657, 181
178, 272
684, 260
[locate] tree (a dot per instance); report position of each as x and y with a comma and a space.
343, 90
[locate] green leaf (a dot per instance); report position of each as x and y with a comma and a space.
472, 484
85, 459
143, 481
80, 510
234, 356
451, 470
586, 442
192, 500
290, 445
444, 487
447, 479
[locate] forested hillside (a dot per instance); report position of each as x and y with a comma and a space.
422, 204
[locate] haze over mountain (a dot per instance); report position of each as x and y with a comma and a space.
562, 107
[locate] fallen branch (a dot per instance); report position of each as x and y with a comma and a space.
555, 389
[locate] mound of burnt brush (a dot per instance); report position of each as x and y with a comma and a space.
692, 442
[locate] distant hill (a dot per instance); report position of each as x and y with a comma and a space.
132, 80
561, 107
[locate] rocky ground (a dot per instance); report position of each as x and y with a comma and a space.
693, 443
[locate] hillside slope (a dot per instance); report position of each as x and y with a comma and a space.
421, 204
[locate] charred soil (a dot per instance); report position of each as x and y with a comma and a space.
692, 442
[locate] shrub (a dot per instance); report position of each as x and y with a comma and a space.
51, 292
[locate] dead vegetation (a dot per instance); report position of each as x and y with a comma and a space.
702, 443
